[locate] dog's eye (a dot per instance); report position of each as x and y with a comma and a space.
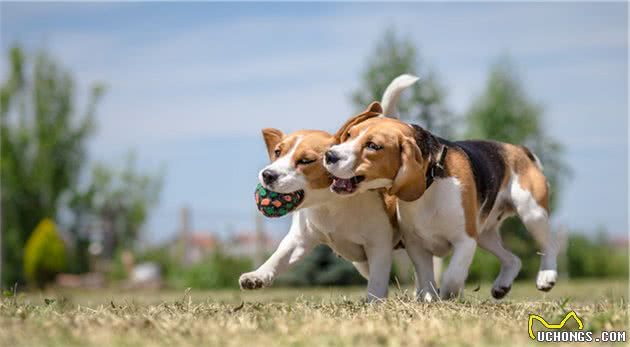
373, 146
348, 135
305, 161
277, 153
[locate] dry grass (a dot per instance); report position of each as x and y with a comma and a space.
293, 317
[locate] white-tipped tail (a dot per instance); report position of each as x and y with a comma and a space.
538, 163
392, 94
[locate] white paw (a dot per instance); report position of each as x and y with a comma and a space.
546, 279
252, 280
427, 295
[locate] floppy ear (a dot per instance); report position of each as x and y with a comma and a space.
409, 183
375, 107
372, 111
272, 138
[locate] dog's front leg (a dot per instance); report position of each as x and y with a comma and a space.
426, 288
380, 263
457, 270
293, 247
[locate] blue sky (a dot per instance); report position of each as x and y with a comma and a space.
190, 85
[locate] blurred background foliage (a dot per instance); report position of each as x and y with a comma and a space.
44, 254
44, 136
45, 181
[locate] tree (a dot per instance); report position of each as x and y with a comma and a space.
504, 112
42, 139
119, 200
424, 103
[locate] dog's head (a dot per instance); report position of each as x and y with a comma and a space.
296, 161
377, 152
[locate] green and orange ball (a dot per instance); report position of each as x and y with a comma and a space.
274, 204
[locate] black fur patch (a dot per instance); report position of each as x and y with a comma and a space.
428, 143
529, 153
485, 158
488, 167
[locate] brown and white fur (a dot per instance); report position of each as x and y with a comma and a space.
360, 229
481, 184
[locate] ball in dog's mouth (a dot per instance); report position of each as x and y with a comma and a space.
346, 185
274, 204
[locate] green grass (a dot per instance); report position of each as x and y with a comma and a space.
301, 317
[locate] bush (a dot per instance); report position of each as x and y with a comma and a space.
216, 271
585, 257
44, 254
588, 257
484, 268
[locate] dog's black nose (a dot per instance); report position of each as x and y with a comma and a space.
269, 176
331, 157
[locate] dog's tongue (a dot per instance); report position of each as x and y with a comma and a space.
343, 185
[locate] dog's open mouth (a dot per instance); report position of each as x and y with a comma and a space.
346, 185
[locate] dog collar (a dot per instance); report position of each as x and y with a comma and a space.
436, 169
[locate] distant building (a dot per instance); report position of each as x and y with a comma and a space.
192, 247
619, 242
249, 244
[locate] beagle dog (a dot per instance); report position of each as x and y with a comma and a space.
451, 195
361, 229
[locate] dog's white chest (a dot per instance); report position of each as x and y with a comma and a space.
346, 225
437, 217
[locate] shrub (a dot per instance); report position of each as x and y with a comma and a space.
44, 254
585, 257
484, 268
215, 271
594, 257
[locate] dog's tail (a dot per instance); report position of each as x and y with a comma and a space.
392, 94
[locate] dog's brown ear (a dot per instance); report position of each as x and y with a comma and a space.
375, 107
272, 137
409, 183
372, 111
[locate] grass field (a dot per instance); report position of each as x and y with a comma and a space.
300, 317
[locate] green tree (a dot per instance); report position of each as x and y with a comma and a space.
424, 103
504, 112
42, 139
119, 199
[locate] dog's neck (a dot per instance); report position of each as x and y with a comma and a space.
318, 197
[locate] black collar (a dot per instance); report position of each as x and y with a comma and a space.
436, 169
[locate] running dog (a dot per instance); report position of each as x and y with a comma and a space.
361, 229
451, 196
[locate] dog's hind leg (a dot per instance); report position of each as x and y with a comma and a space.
531, 208
490, 240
